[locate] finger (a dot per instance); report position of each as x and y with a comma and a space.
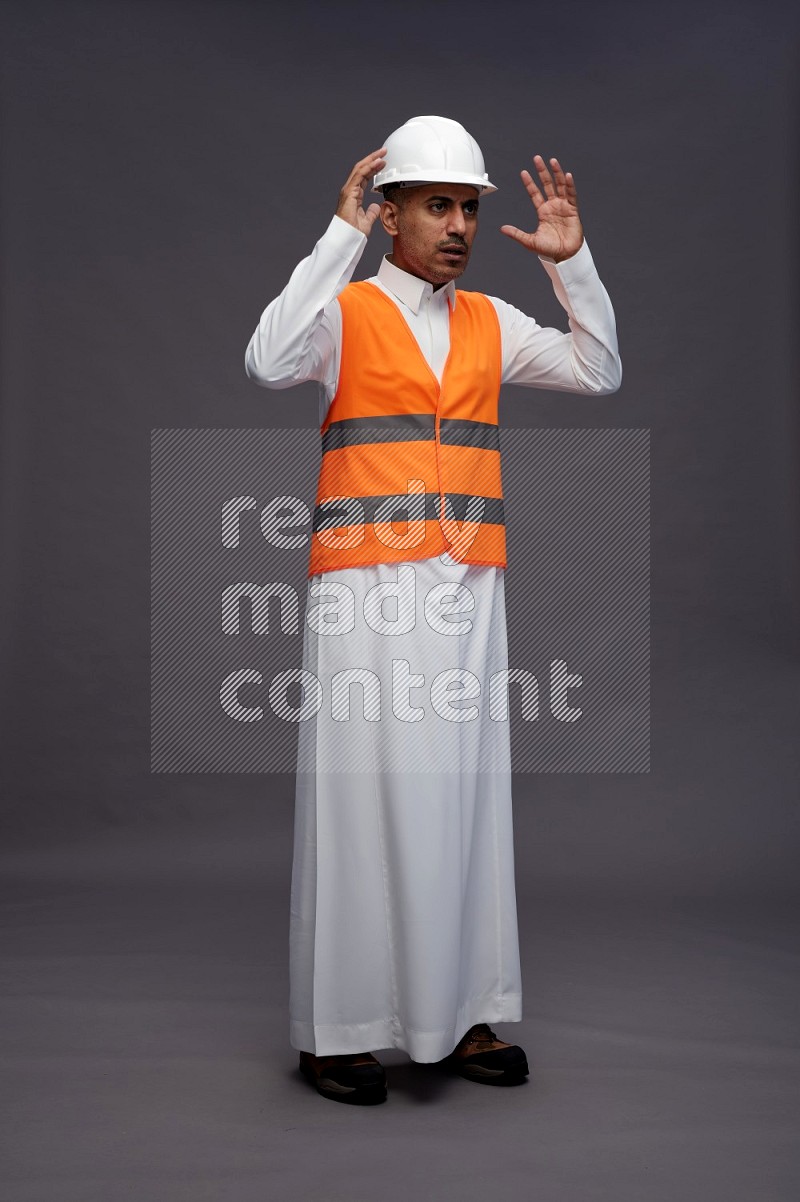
544, 176
372, 214
572, 195
558, 175
357, 183
370, 158
531, 188
518, 235
564, 183
367, 166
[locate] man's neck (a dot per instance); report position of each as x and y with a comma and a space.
434, 286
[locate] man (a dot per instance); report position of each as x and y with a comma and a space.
403, 927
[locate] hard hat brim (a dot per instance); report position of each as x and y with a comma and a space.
388, 178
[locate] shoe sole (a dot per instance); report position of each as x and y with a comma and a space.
505, 1078
486, 1076
361, 1095
491, 1076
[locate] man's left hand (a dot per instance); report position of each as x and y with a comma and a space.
559, 233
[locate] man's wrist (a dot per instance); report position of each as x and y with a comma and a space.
343, 230
563, 258
574, 267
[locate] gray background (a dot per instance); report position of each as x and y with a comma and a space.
164, 166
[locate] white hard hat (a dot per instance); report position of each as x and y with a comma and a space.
432, 150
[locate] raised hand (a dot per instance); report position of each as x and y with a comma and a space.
559, 233
351, 197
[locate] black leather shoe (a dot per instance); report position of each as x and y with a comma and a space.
481, 1056
357, 1078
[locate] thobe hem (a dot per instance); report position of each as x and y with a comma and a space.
424, 1047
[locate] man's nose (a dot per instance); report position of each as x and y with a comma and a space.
457, 222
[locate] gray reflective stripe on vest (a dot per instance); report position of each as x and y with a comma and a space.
410, 427
396, 427
458, 432
352, 511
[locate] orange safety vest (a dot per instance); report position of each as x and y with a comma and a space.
402, 455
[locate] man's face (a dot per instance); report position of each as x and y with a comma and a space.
433, 229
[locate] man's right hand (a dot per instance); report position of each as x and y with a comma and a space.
351, 197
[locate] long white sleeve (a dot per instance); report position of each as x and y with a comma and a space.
584, 361
295, 339
298, 335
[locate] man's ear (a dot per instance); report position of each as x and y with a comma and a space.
389, 213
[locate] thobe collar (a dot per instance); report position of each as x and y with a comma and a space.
410, 289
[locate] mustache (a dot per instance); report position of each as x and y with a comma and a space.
453, 244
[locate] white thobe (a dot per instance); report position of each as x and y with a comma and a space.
403, 924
